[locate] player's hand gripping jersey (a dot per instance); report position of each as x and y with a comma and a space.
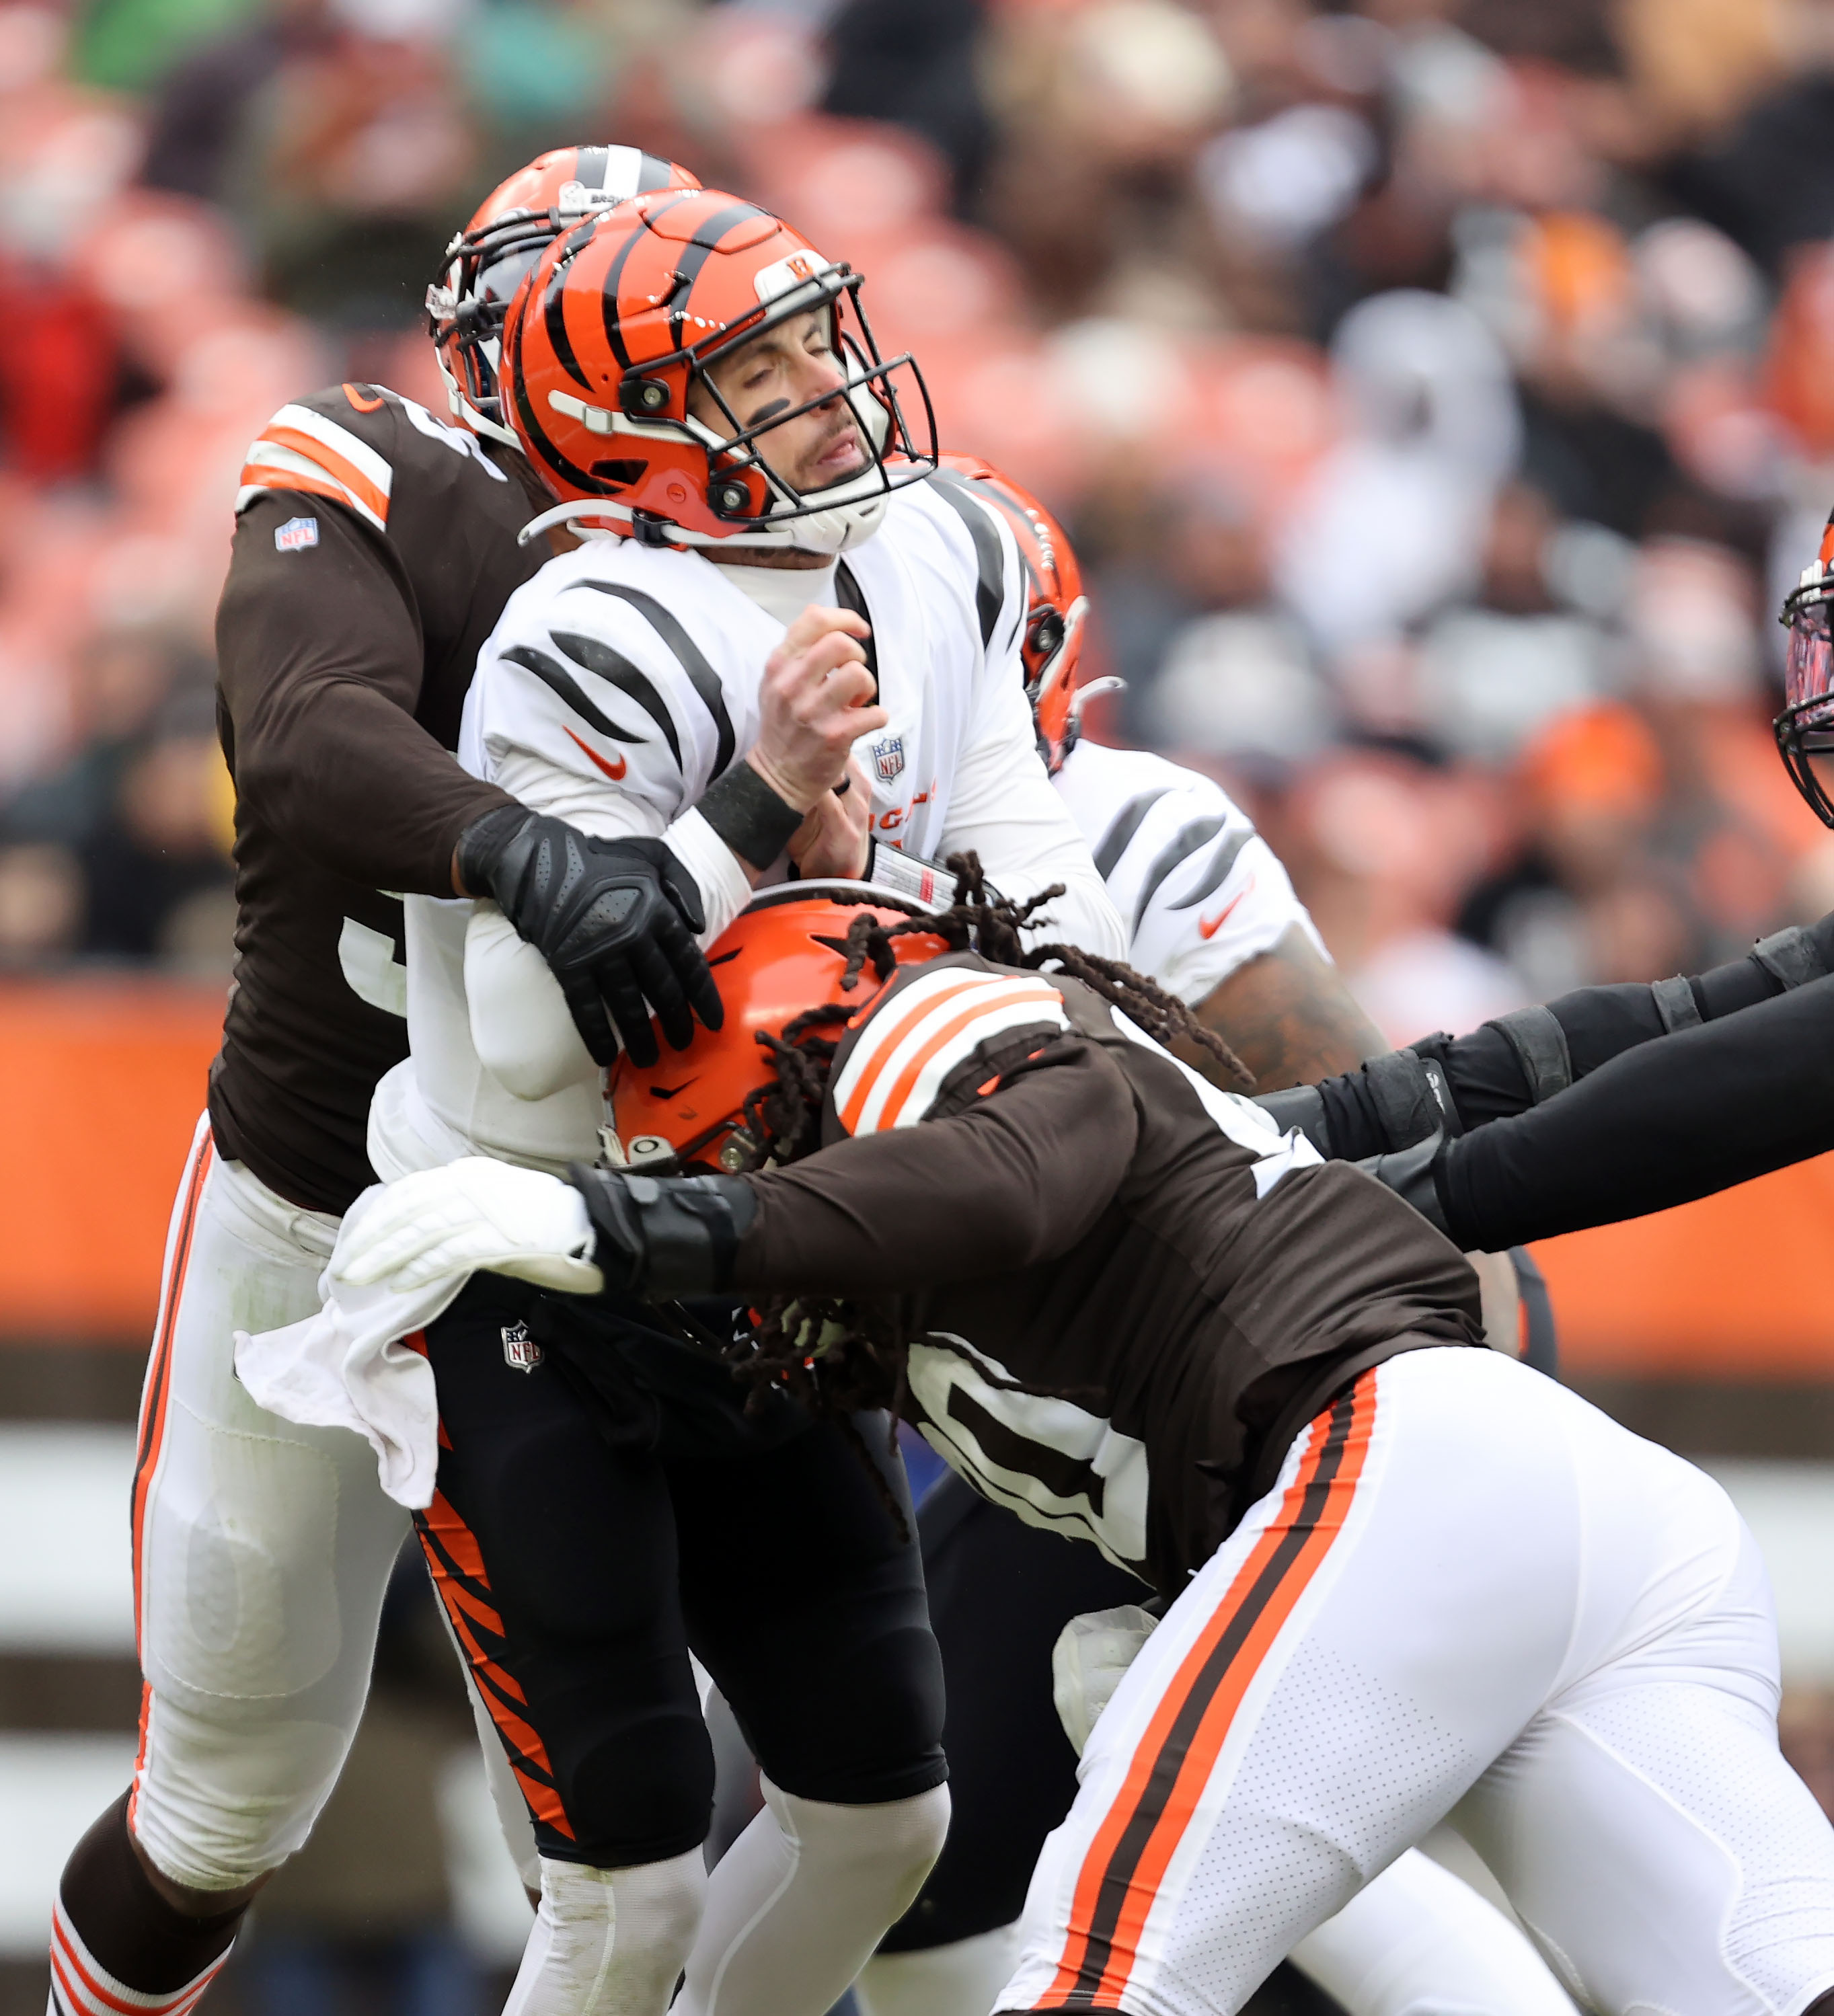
375, 548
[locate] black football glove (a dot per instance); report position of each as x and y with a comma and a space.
614, 919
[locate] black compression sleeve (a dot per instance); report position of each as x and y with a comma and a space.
1705, 1108
1484, 1069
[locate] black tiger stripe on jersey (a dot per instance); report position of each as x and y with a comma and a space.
701, 675
617, 670
1182, 846
1217, 873
555, 675
990, 588
1128, 822
1101, 1948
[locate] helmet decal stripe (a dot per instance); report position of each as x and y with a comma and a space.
556, 677
590, 164
616, 670
553, 309
701, 675
700, 248
535, 438
614, 275
653, 174
990, 589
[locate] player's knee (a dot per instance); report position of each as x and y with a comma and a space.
888, 1849
635, 1791
608, 1940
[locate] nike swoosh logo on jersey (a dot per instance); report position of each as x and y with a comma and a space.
1208, 927
615, 770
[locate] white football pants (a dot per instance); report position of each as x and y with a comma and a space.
1414, 1942
261, 1549
1469, 1594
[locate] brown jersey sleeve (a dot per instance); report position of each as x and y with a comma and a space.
320, 661
1019, 1177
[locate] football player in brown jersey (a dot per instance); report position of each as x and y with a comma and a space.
1405, 1578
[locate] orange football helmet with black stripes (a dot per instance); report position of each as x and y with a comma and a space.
624, 318
490, 258
1051, 646
783, 955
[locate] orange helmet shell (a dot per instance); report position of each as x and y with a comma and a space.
509, 231
1051, 647
622, 318
778, 958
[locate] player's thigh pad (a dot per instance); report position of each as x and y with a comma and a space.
1381, 1626
1645, 1823
261, 1549
554, 1554
807, 1607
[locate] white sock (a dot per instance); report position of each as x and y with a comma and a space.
609, 1942
962, 1978
801, 1898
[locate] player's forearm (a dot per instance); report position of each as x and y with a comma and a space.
357, 785
1520, 1061
1661, 1125
1021, 1175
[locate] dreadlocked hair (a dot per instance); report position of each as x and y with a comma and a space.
839, 1357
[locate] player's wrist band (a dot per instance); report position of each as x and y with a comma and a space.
749, 816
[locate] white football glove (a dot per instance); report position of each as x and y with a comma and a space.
1091, 1654
472, 1214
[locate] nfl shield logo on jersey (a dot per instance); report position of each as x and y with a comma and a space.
520, 1352
888, 757
296, 535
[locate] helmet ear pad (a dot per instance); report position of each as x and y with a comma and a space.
785, 954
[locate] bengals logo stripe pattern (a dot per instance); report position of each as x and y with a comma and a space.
300, 450
456, 1562
911, 1045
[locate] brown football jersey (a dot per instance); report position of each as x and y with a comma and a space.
375, 548
1127, 1291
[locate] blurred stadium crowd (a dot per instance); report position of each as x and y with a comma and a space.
1441, 393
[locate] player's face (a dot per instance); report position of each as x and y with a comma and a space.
776, 372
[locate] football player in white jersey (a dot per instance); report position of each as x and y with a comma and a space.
1214, 918
693, 384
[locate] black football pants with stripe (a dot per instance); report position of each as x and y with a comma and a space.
610, 1506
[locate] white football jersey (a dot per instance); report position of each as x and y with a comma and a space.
619, 684
1199, 890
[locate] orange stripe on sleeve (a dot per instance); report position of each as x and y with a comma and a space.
340, 467
964, 1018
265, 476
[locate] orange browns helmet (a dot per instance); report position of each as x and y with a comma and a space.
1051, 646
622, 319
781, 956
488, 260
